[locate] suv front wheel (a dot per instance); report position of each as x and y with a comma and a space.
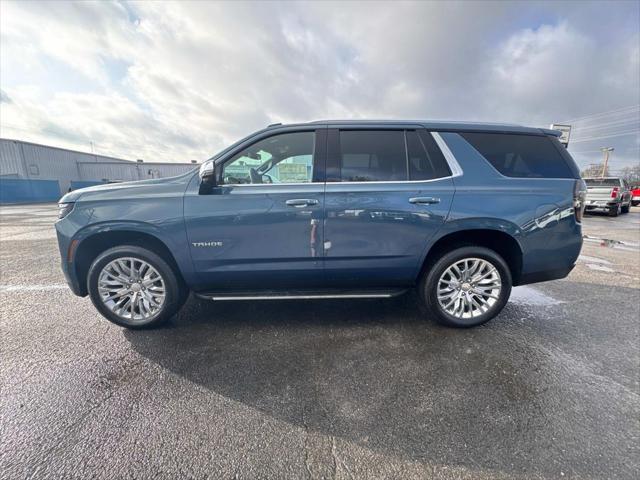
134, 287
466, 287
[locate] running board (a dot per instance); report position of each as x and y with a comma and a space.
222, 296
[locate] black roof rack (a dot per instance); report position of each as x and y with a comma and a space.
274, 125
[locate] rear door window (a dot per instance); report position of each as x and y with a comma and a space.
388, 156
523, 156
426, 161
372, 156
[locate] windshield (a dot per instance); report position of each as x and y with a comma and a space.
602, 182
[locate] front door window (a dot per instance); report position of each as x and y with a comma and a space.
284, 158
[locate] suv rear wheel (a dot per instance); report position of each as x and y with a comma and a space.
615, 210
133, 287
466, 287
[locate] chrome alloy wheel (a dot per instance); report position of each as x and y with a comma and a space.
131, 288
469, 288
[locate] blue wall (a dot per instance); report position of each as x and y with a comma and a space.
76, 184
14, 190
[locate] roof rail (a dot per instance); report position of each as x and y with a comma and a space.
274, 125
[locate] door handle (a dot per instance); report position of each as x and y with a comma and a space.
424, 200
301, 202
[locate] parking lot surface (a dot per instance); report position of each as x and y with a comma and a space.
322, 389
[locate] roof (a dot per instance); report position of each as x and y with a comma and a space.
95, 155
434, 125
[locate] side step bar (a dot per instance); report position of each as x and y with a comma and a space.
221, 296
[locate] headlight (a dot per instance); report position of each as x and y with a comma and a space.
64, 209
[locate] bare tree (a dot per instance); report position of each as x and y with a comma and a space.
595, 170
631, 174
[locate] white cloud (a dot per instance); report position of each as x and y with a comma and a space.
176, 81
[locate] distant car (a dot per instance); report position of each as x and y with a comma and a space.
635, 195
609, 193
335, 209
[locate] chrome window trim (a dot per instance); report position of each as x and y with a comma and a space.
456, 169
390, 181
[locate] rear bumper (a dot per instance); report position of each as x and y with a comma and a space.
596, 204
545, 276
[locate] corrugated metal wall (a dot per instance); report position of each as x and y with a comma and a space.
11, 164
159, 170
40, 162
111, 171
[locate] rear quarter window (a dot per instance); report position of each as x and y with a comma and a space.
522, 156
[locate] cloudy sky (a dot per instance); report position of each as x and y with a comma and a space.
179, 81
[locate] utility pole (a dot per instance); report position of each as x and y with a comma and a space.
606, 151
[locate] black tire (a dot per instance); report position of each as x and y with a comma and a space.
635, 203
615, 210
625, 208
429, 286
175, 292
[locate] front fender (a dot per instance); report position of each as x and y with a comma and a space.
171, 234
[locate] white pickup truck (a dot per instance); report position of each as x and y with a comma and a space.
608, 193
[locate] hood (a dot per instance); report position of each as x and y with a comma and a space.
129, 189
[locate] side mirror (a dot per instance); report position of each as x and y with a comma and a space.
207, 171
207, 175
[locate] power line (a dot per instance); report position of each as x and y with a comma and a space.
613, 115
601, 137
606, 120
607, 125
607, 113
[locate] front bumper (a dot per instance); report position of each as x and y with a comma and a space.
64, 233
72, 281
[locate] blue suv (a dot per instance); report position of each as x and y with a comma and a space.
334, 209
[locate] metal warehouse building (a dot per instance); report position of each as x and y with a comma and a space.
30, 172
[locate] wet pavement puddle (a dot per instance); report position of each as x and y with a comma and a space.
609, 243
530, 296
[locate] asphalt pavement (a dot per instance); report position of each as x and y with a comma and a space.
321, 389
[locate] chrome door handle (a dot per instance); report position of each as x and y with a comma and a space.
424, 200
301, 202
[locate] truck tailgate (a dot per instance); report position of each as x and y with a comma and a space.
599, 193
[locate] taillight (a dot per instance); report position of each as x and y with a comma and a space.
579, 196
614, 192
